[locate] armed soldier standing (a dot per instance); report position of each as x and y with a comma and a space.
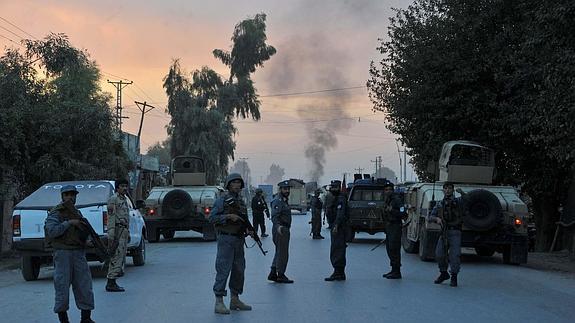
259, 207
281, 219
118, 234
449, 214
338, 220
316, 206
67, 235
392, 215
230, 260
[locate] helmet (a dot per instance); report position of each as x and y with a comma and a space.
284, 184
259, 191
232, 177
318, 191
68, 188
388, 184
335, 184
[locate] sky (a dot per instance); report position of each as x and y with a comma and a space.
321, 45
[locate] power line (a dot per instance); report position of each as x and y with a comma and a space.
12, 41
13, 33
13, 25
313, 92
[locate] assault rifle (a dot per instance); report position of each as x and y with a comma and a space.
235, 209
267, 210
101, 250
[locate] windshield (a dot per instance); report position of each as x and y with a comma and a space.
367, 194
48, 195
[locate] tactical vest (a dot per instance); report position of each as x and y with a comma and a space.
331, 207
450, 212
73, 237
239, 209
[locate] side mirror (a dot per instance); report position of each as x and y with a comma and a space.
140, 204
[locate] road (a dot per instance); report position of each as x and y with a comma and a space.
175, 285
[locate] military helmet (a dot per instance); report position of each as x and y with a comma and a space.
232, 177
388, 184
259, 190
284, 184
68, 188
335, 184
318, 191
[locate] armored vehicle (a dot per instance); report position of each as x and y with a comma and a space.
183, 206
495, 218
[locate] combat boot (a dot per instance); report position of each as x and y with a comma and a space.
237, 305
63, 317
442, 277
273, 276
220, 307
86, 317
111, 286
453, 282
282, 279
395, 273
336, 276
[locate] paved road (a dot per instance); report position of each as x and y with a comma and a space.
175, 285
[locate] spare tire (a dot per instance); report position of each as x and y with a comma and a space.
177, 204
482, 210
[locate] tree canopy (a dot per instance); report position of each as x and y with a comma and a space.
493, 71
56, 126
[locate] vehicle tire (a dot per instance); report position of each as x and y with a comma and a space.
153, 235
139, 257
168, 234
485, 251
177, 204
30, 268
424, 246
408, 245
483, 210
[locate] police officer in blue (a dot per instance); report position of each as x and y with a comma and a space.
338, 221
228, 216
392, 215
449, 214
67, 235
281, 219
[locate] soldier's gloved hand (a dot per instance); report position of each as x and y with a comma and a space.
234, 217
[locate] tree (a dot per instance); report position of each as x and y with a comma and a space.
203, 107
45, 120
276, 175
492, 71
161, 151
243, 168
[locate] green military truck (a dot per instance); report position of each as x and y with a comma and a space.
495, 219
185, 205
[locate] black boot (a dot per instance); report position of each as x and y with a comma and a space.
63, 317
111, 286
273, 276
453, 280
395, 273
389, 273
86, 317
337, 275
282, 279
443, 276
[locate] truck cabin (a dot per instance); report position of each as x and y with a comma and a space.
188, 171
466, 162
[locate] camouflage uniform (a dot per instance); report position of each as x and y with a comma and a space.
118, 230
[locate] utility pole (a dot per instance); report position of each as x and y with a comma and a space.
401, 164
119, 85
359, 170
144, 109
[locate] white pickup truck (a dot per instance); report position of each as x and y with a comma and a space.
30, 214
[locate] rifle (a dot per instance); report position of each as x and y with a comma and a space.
267, 210
232, 203
101, 250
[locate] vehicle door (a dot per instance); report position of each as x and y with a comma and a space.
135, 229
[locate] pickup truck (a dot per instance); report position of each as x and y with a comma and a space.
30, 214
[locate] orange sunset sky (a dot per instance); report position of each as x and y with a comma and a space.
320, 45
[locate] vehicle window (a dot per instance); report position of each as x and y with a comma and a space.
154, 195
367, 194
471, 156
48, 195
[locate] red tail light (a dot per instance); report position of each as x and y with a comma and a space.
151, 211
16, 225
105, 220
518, 221
207, 211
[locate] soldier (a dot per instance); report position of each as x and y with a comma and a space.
230, 260
67, 235
118, 234
316, 206
448, 213
281, 219
338, 220
259, 207
392, 216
